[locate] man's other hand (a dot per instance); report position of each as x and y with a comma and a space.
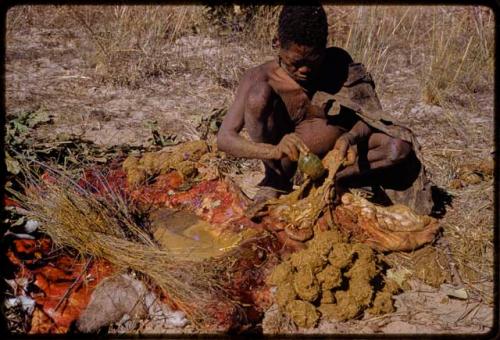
346, 147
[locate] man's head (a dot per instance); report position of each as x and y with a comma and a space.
302, 34
303, 25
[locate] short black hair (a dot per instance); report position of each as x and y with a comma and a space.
303, 25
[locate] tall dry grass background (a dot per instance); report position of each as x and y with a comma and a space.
449, 48
447, 53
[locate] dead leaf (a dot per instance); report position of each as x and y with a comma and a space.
456, 292
12, 164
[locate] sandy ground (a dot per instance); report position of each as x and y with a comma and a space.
46, 70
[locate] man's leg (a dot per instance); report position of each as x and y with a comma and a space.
390, 168
318, 135
379, 160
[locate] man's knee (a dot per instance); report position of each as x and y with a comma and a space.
257, 100
398, 150
318, 135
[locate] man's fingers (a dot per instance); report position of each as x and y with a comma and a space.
299, 143
290, 150
287, 148
295, 152
351, 156
341, 146
303, 148
287, 151
292, 146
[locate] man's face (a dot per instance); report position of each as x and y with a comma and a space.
301, 62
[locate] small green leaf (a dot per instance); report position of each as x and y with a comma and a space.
38, 117
19, 127
19, 221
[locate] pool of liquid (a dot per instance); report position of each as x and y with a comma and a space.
187, 236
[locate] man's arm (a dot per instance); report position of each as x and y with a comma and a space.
248, 109
229, 139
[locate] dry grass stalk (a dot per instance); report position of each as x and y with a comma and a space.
453, 37
103, 228
263, 27
442, 43
129, 44
130, 41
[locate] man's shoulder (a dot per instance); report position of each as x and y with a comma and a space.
336, 69
255, 77
260, 72
338, 55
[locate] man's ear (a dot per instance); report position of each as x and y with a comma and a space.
276, 43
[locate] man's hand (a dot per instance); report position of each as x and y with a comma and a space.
290, 146
346, 145
346, 148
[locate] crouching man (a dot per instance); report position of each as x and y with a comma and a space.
313, 98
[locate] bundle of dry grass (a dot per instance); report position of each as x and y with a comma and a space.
101, 225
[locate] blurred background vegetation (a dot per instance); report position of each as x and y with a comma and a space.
450, 50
